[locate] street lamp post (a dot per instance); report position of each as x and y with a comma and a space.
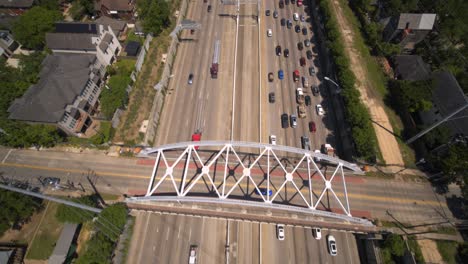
338, 90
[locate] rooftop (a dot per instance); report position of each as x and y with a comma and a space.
16, 3
115, 5
416, 21
70, 41
411, 68
116, 25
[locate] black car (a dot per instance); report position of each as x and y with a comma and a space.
297, 28
278, 50
312, 71
307, 100
209, 8
286, 2
307, 42
268, 12
315, 90
309, 54
289, 23
293, 2
286, 53
275, 14
283, 22
190, 78
284, 120
304, 31
300, 46
281, 4
271, 97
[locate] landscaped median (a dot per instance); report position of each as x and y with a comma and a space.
357, 115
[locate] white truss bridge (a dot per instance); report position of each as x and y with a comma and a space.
185, 171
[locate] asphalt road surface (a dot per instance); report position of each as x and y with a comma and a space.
162, 238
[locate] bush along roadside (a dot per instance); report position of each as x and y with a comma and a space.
357, 114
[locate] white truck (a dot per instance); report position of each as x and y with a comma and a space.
300, 95
193, 254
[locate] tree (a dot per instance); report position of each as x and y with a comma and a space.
98, 250
49, 4
156, 19
16, 209
31, 27
395, 244
72, 214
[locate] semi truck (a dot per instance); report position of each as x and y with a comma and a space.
215, 64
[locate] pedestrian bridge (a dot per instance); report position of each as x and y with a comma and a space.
251, 174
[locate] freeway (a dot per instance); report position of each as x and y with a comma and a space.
409, 200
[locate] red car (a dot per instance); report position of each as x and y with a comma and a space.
296, 75
312, 127
196, 137
299, 2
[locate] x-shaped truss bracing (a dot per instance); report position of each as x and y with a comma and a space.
196, 167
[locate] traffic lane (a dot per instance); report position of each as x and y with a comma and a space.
244, 242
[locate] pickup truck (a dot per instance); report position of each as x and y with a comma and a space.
300, 95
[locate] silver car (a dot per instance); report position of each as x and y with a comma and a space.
332, 245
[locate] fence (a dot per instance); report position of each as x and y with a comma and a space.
158, 101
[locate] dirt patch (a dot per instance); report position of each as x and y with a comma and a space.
387, 143
429, 251
84, 236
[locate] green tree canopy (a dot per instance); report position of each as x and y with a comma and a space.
395, 244
72, 214
155, 15
16, 209
31, 27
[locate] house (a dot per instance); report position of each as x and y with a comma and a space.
411, 68
84, 38
118, 26
407, 30
7, 44
66, 94
447, 96
122, 9
62, 247
15, 7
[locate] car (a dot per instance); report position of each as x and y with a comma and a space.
307, 42
315, 90
332, 245
196, 137
317, 159
278, 50
296, 16
297, 28
192, 31
280, 232
307, 100
305, 81
283, 22
267, 12
302, 18
280, 74
270, 76
264, 191
320, 110
299, 3
302, 61
293, 1
275, 14
281, 4
305, 142
269, 32
311, 70
193, 254
304, 31
293, 121
273, 139
309, 54
208, 9
300, 46
271, 97
317, 233
286, 53
51, 181
312, 127
296, 75
289, 23
284, 120
190, 78
286, 2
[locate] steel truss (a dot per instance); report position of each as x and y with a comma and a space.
187, 157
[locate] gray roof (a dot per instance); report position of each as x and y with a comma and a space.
115, 5
7, 20
63, 244
16, 3
416, 21
5, 255
116, 25
62, 78
447, 97
105, 42
70, 41
411, 68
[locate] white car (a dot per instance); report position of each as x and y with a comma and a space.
320, 110
296, 16
280, 231
331, 245
269, 32
317, 159
273, 139
317, 233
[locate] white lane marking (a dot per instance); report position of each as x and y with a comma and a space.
6, 157
178, 233
167, 236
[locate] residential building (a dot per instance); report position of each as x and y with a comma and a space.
122, 9
7, 44
447, 96
85, 38
118, 26
407, 30
66, 94
15, 7
411, 68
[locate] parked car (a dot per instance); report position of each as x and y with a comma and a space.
300, 46
278, 50
270, 76
190, 78
320, 110
269, 32
267, 12
317, 233
311, 70
280, 232
307, 100
302, 61
275, 14
297, 28
332, 245
280, 74
307, 42
304, 31
271, 97
309, 54
273, 139
293, 121
283, 22
286, 53
312, 127
284, 120
315, 90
